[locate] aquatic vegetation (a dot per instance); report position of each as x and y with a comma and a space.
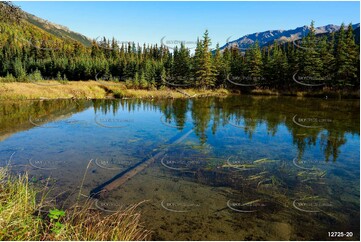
247, 166
264, 160
134, 140
251, 202
254, 177
315, 174
260, 160
239, 166
202, 148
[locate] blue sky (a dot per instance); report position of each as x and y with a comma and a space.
149, 22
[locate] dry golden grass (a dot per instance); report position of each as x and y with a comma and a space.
85, 223
92, 90
264, 92
171, 93
100, 90
51, 90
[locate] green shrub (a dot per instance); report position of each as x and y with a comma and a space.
8, 78
35, 76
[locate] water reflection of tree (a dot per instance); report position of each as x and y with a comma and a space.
251, 112
208, 114
201, 114
331, 143
302, 138
176, 111
15, 116
113, 106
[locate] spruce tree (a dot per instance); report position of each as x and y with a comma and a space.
353, 58
237, 65
219, 66
327, 58
205, 71
181, 66
342, 63
254, 63
312, 65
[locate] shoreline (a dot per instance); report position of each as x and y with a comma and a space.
53, 90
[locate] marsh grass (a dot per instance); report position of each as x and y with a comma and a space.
85, 223
51, 90
90, 90
10, 89
23, 216
17, 209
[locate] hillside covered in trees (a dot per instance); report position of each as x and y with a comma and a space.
28, 53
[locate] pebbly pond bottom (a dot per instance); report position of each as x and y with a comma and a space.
242, 167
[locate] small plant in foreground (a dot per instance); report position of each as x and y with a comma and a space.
55, 215
22, 216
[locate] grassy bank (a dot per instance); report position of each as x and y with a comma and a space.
326, 93
101, 90
23, 216
91, 90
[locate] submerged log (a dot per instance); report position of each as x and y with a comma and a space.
124, 176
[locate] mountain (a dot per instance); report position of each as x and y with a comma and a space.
57, 30
268, 37
22, 23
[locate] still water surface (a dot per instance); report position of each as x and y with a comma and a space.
253, 168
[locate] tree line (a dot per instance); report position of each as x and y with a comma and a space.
330, 60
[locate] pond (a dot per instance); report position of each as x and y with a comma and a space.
235, 168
